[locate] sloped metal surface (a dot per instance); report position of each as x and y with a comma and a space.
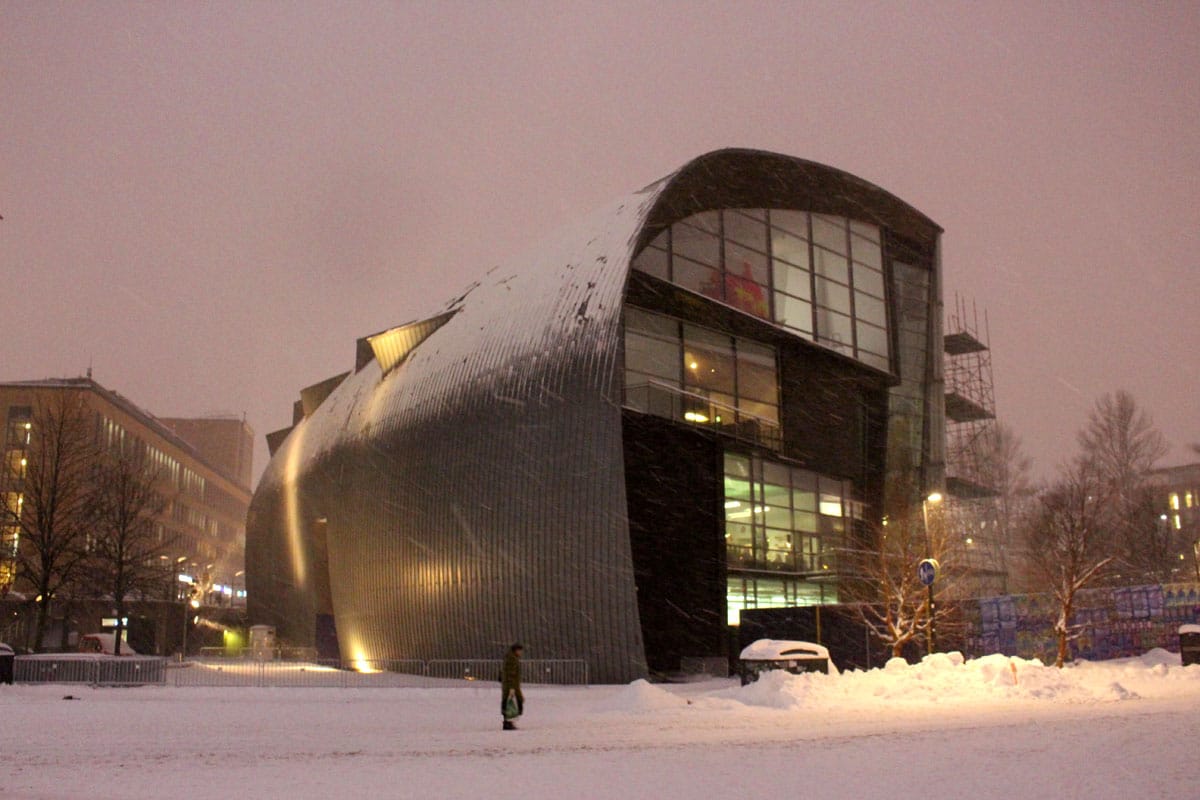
474, 495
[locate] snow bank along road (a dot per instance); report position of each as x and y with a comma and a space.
989, 728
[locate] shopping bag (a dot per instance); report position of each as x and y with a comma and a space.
511, 709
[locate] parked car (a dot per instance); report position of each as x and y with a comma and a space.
794, 657
103, 643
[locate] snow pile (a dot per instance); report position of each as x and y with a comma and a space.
949, 679
639, 696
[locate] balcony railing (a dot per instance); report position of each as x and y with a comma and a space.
671, 402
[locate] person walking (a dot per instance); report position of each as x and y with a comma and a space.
512, 701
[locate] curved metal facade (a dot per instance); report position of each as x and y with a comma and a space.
475, 494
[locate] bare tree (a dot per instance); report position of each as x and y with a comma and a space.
1067, 543
1121, 445
56, 507
125, 559
886, 588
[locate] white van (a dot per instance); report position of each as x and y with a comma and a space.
103, 643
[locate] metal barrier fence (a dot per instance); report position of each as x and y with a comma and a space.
92, 670
334, 674
368, 674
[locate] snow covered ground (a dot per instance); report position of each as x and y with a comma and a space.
990, 728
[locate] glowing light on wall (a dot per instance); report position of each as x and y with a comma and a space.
291, 502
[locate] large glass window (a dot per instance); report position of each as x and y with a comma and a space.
784, 529
818, 275
682, 371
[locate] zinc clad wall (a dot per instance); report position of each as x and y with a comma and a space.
475, 494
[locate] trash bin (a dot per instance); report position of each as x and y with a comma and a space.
7, 657
1189, 644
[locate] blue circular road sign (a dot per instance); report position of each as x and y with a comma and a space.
927, 571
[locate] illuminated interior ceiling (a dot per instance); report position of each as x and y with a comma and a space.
392, 346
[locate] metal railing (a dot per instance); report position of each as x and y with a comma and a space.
672, 402
94, 670
332, 673
317, 673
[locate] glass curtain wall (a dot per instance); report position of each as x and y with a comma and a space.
784, 529
681, 371
818, 275
915, 420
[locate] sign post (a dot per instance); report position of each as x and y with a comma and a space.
927, 572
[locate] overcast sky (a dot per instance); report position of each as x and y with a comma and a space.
209, 202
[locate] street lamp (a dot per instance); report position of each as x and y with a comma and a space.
928, 569
187, 609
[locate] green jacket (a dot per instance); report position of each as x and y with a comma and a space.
510, 673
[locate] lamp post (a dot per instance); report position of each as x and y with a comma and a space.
188, 607
928, 570
241, 573
179, 595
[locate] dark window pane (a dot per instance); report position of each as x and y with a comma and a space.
652, 324
746, 263
830, 265
793, 313
695, 244
866, 252
868, 280
872, 339
834, 329
833, 295
779, 475
697, 278
653, 261
793, 280
869, 309
789, 247
865, 229
829, 232
706, 221
746, 231
653, 357
757, 381
794, 222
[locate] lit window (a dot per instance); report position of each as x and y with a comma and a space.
1175, 501
772, 525
767, 262
704, 377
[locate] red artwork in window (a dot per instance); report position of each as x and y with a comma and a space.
743, 293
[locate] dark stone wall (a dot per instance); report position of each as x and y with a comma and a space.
673, 488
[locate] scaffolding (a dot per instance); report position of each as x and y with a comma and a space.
971, 444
